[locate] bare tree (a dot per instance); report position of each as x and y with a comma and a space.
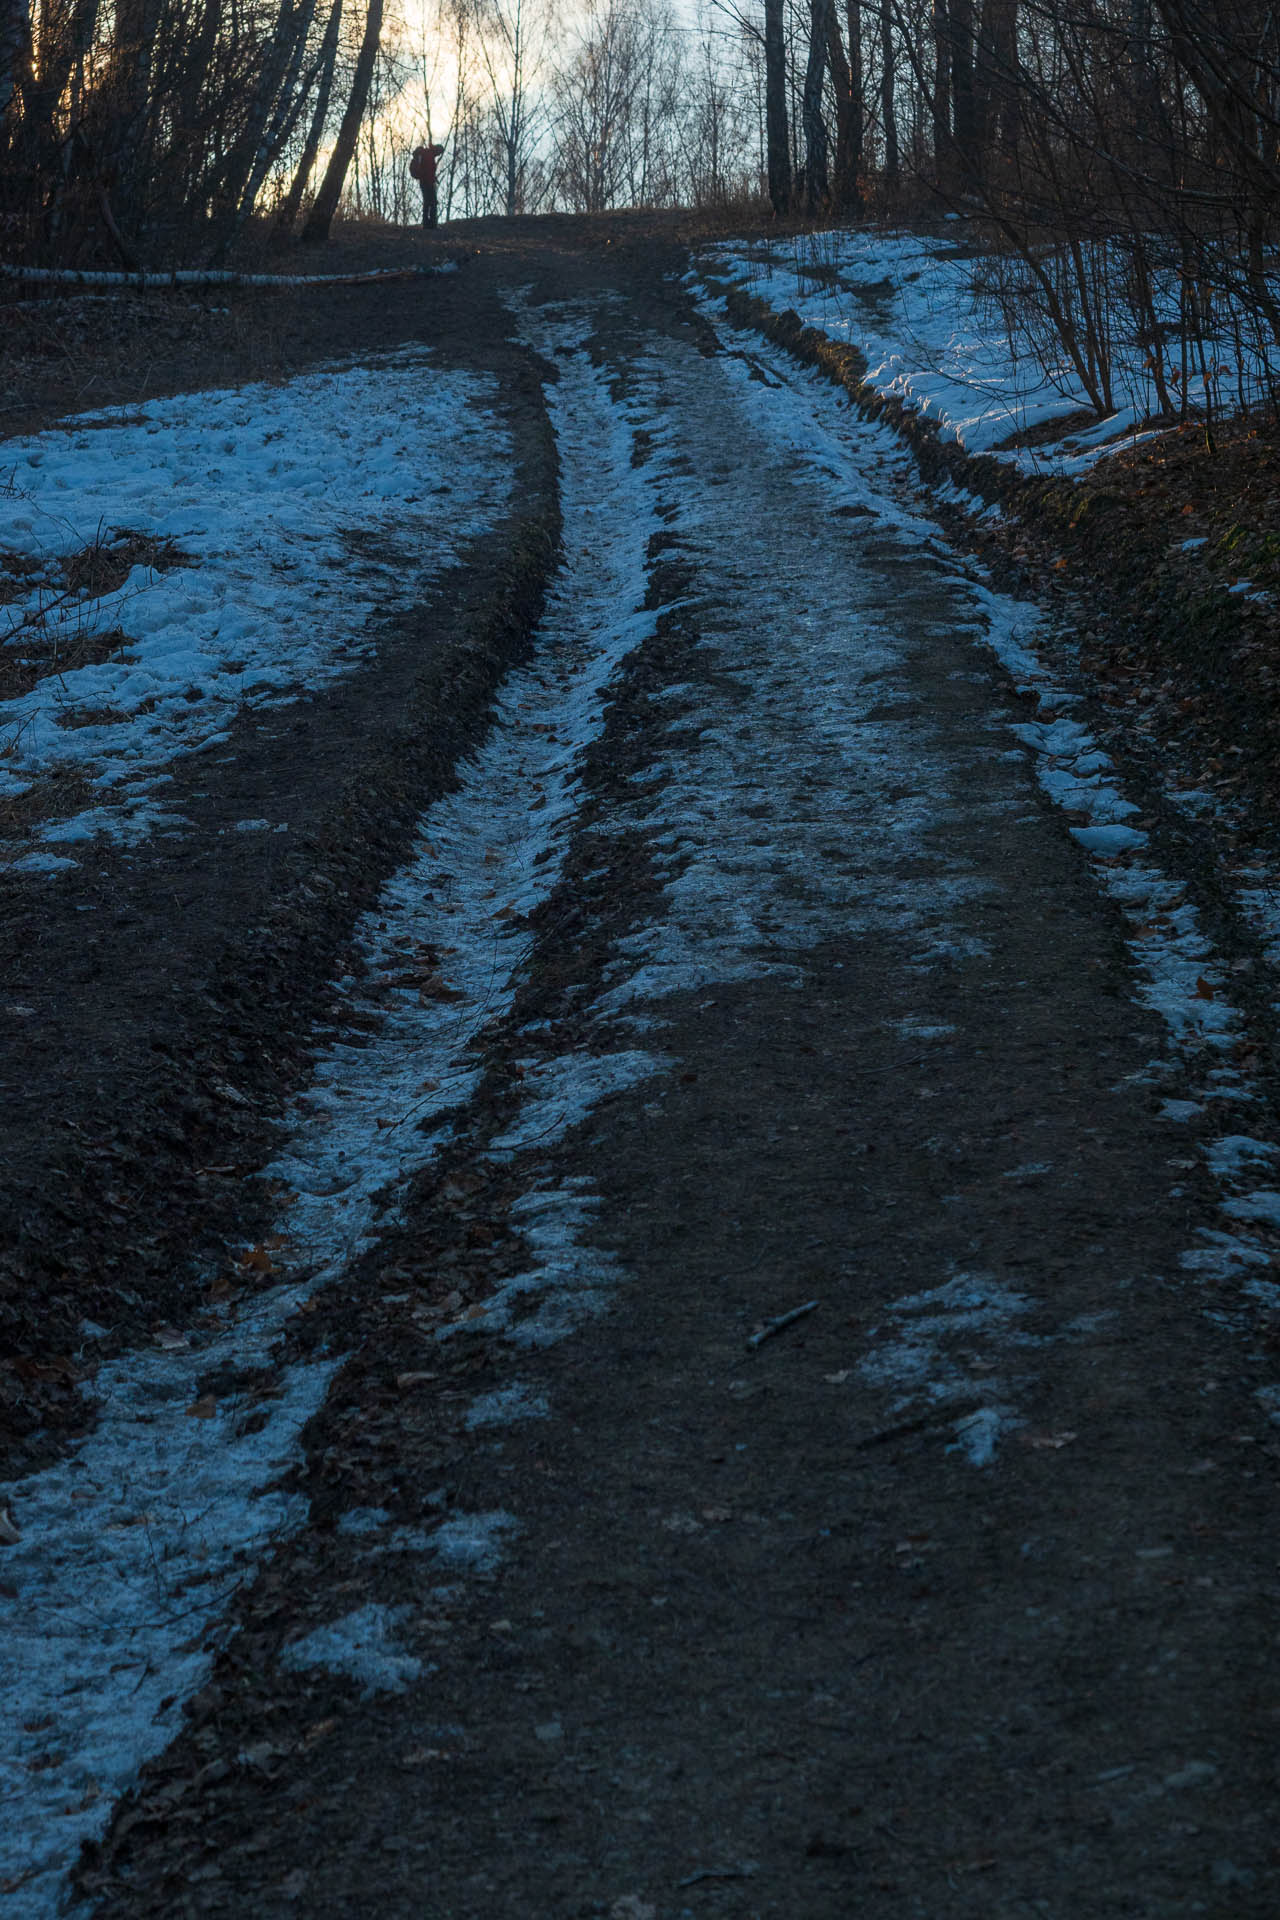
320, 218
777, 135
816, 185
597, 93
325, 64
511, 38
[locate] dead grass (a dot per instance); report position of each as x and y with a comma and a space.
37, 655
105, 565
56, 795
64, 351
17, 570
72, 718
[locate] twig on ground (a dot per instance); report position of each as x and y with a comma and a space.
783, 1320
745, 1872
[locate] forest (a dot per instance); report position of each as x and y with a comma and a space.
1122, 155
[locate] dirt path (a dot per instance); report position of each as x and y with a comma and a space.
752, 969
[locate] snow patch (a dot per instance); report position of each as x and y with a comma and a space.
361, 1646
506, 1405
132, 1547
283, 523
474, 1541
919, 1356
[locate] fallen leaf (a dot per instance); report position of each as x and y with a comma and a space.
1205, 989
205, 1408
257, 1260
169, 1340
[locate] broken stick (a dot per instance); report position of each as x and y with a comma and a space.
783, 1320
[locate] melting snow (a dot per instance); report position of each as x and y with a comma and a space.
361, 1646
294, 517
474, 1541
909, 303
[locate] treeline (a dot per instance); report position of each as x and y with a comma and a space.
157, 131
1117, 149
604, 104
1124, 157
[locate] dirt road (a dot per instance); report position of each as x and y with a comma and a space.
511, 1551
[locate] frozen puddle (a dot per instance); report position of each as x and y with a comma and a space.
132, 1547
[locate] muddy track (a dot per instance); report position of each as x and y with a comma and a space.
764, 1407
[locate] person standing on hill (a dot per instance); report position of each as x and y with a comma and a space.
423, 166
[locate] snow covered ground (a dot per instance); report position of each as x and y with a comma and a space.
909, 302
260, 532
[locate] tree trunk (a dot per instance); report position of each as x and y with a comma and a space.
272, 111
777, 137
298, 185
320, 218
941, 103
962, 99
857, 103
15, 48
816, 186
888, 104
290, 97
846, 78
995, 93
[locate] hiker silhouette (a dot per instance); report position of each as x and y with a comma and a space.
423, 166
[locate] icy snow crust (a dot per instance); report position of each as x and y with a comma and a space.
303, 513
132, 1548
909, 304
